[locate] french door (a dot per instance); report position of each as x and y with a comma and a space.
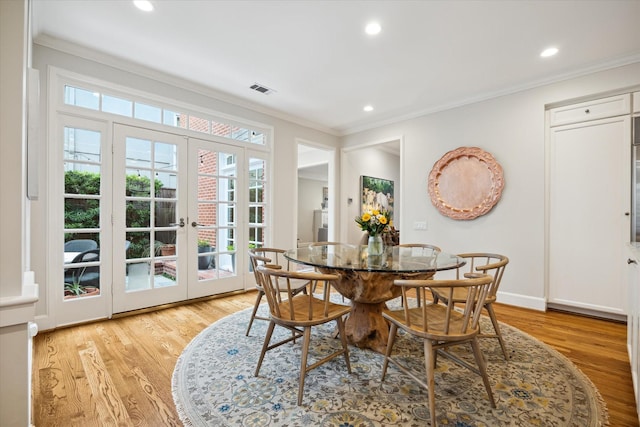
149, 215
175, 218
215, 266
149, 218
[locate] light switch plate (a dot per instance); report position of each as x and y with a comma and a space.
420, 225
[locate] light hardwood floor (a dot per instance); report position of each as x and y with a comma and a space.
118, 372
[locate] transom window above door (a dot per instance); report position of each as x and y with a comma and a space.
169, 116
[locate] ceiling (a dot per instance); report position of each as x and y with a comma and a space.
323, 68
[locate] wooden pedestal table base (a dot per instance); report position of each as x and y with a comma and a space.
368, 292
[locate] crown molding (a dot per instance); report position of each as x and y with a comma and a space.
593, 68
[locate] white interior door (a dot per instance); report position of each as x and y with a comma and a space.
150, 183
588, 216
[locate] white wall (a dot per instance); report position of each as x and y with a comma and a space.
309, 199
512, 128
368, 161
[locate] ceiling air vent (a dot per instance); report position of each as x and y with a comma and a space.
262, 89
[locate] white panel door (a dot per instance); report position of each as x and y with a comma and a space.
589, 185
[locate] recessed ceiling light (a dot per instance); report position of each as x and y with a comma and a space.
549, 52
368, 108
372, 28
145, 5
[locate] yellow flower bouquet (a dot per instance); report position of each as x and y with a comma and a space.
374, 222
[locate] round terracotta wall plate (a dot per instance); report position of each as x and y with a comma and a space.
465, 183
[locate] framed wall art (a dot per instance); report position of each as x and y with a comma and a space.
376, 193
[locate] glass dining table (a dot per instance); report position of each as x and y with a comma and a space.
367, 281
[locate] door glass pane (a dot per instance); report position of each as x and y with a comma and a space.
170, 118
81, 213
166, 157
138, 276
147, 112
257, 138
198, 124
115, 105
227, 164
138, 152
138, 183
82, 204
82, 276
138, 213
137, 244
166, 183
240, 134
165, 211
82, 145
220, 129
151, 221
206, 253
81, 97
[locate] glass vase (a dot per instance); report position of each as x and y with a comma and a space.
375, 245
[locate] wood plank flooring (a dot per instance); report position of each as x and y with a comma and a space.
118, 372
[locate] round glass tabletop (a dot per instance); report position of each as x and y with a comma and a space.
394, 259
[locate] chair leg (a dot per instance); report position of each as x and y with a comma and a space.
255, 310
336, 332
267, 339
435, 298
430, 364
496, 327
345, 345
303, 362
392, 337
483, 369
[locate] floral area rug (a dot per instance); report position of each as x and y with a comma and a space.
213, 383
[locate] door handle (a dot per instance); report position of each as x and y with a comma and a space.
195, 224
181, 223
631, 261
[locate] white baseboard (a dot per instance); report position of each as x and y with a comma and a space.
524, 301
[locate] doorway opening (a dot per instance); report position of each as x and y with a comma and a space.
316, 194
